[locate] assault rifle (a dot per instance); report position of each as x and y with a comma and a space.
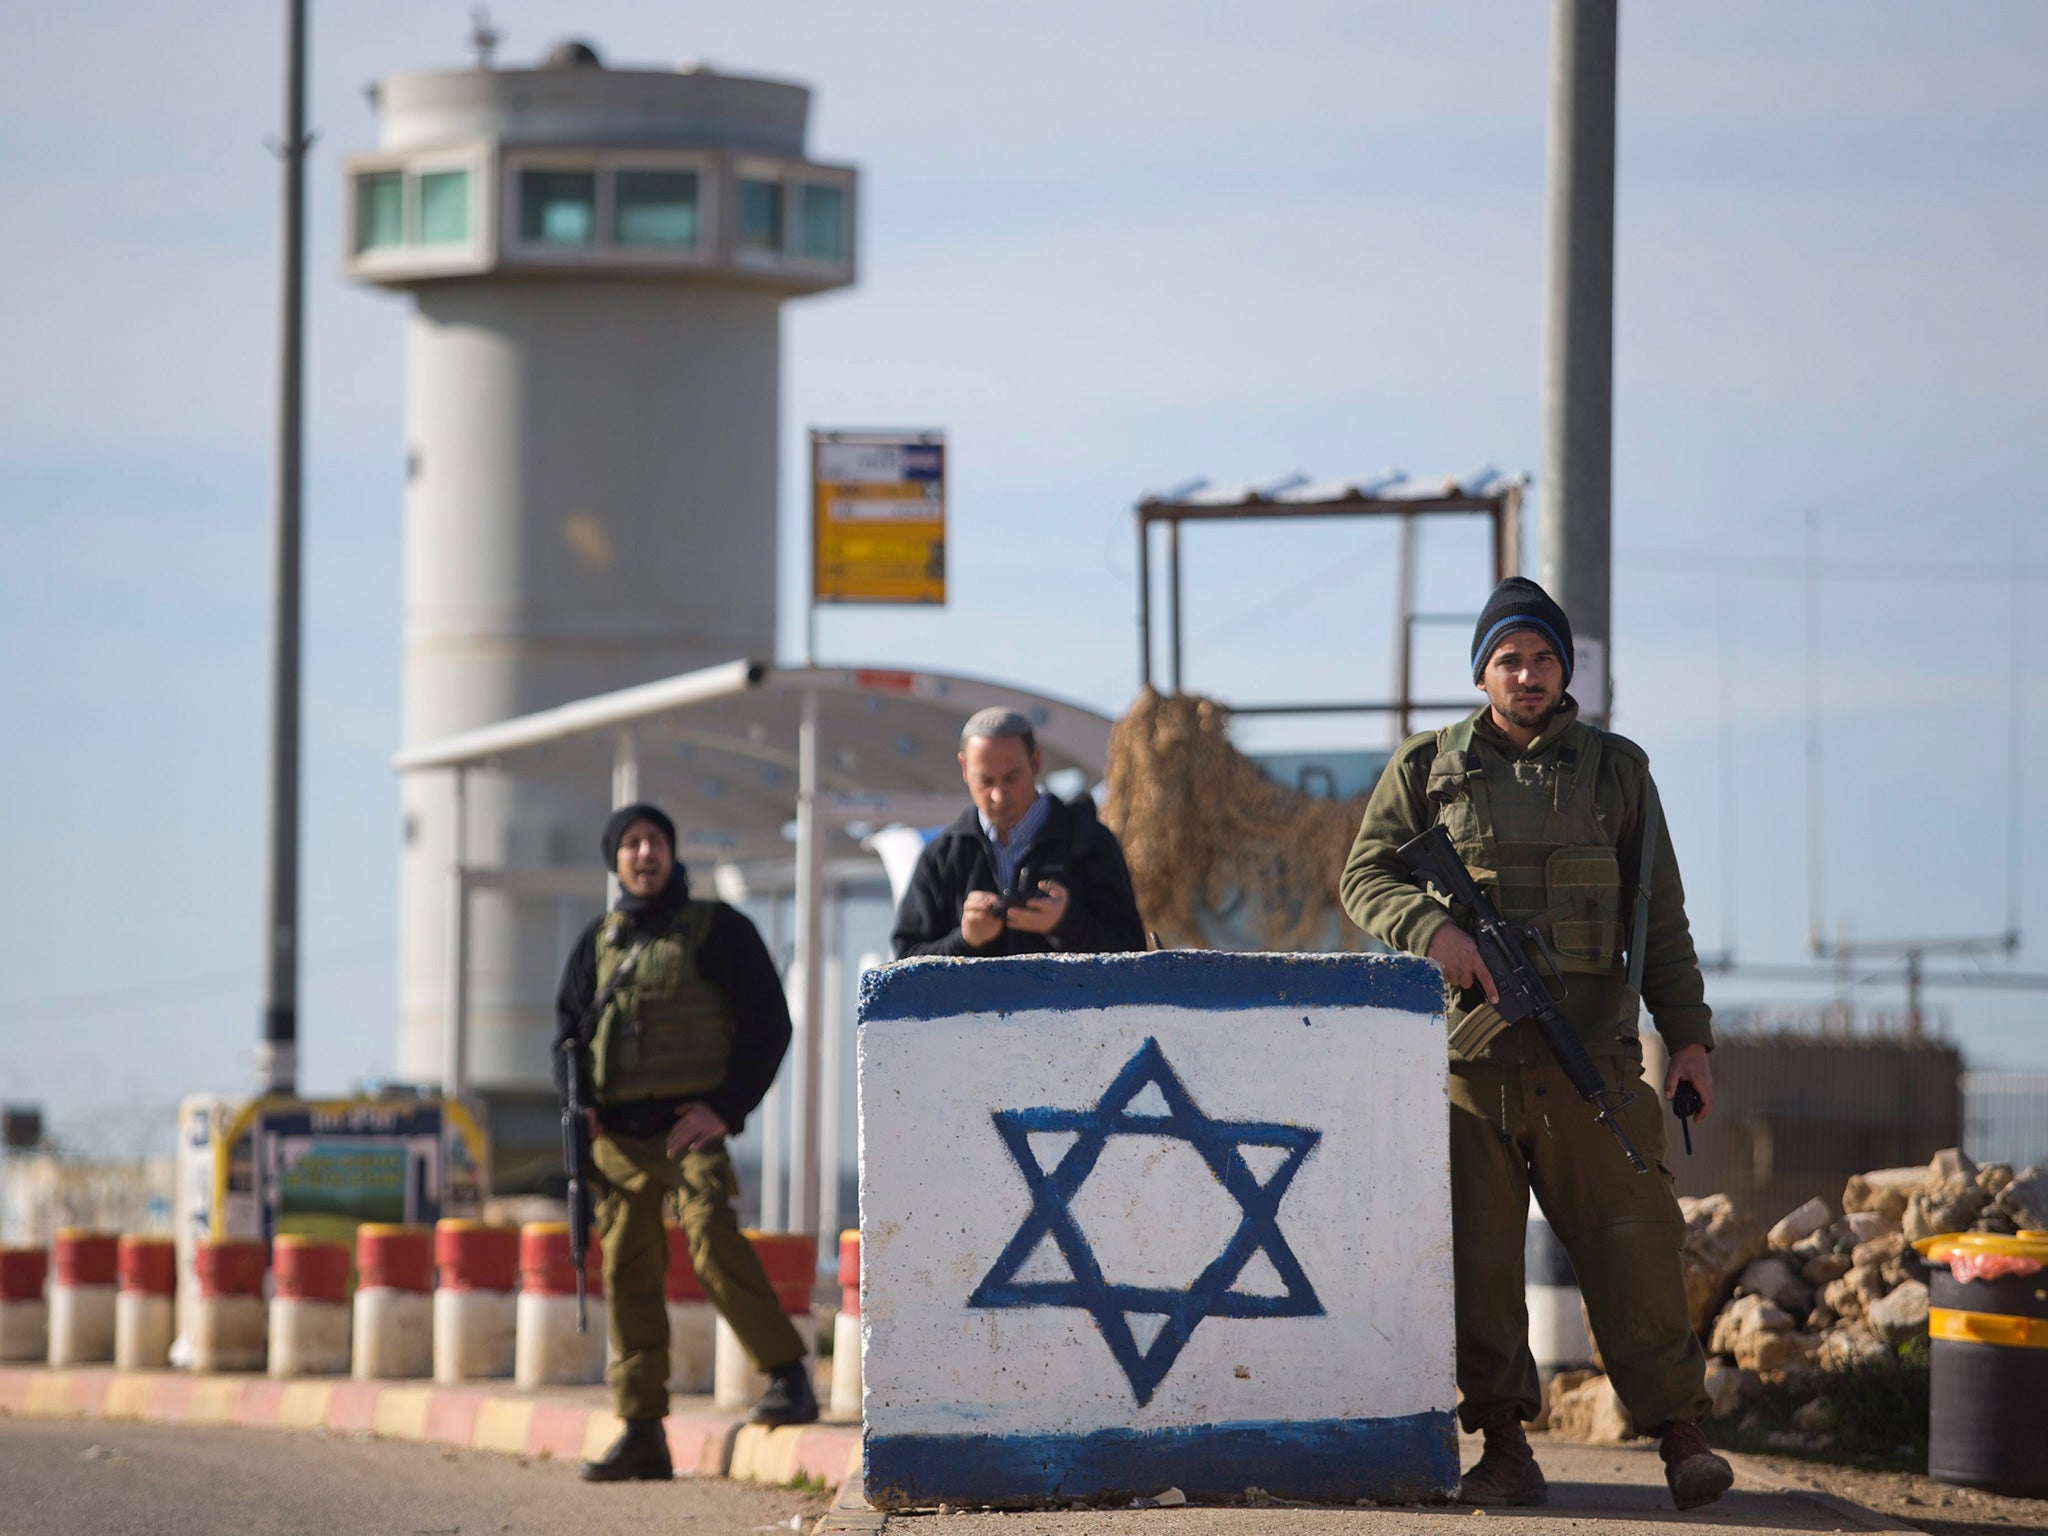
1523, 994
576, 1159
576, 1131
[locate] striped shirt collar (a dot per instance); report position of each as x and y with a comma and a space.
1009, 856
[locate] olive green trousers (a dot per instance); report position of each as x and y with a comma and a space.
1514, 1129
631, 1224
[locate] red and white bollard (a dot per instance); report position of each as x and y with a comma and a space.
846, 1329
692, 1322
309, 1315
145, 1315
229, 1322
24, 1316
548, 1351
394, 1310
474, 1303
82, 1299
791, 1259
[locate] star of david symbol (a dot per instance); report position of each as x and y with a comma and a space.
1170, 1112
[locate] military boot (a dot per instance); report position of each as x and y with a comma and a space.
789, 1398
1693, 1472
639, 1454
1506, 1472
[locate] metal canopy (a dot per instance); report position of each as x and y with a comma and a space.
719, 749
736, 754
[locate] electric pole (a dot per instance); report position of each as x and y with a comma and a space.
277, 1055
1578, 337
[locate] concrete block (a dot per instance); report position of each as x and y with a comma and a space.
1143, 1221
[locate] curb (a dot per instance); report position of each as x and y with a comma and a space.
1753, 1474
472, 1418
850, 1514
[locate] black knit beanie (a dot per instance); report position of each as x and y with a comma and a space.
624, 817
1518, 603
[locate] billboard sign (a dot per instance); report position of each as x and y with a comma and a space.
878, 517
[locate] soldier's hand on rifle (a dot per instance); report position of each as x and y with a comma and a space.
1452, 948
1689, 1064
590, 1124
697, 1125
981, 919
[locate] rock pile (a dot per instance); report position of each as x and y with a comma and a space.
1816, 1292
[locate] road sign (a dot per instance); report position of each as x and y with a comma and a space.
878, 517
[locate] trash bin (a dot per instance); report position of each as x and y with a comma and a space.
1987, 1324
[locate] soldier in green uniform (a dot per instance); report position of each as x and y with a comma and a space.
692, 1028
1559, 822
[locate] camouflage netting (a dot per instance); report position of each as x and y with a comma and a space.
1203, 827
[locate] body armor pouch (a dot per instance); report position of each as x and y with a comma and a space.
667, 1032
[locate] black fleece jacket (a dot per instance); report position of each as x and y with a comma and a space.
1074, 849
735, 961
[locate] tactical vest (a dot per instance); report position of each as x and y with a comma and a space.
667, 1032
1529, 831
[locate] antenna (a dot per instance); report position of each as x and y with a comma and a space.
1816, 927
2015, 830
1727, 754
483, 37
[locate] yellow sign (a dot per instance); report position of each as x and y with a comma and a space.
878, 517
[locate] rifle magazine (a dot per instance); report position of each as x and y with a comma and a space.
1477, 1030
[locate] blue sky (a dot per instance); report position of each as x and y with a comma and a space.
1106, 248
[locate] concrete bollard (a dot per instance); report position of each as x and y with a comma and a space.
309, 1315
547, 1349
1557, 1320
846, 1329
229, 1322
791, 1259
475, 1307
145, 1314
692, 1323
82, 1299
24, 1316
394, 1309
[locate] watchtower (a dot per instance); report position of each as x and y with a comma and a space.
597, 260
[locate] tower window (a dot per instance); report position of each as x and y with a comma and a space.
760, 215
380, 210
557, 207
656, 208
444, 207
821, 222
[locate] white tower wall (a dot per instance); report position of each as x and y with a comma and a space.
591, 504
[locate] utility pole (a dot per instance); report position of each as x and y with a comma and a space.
1578, 337
277, 1056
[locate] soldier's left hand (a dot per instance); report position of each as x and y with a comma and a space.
1042, 913
697, 1125
1689, 1064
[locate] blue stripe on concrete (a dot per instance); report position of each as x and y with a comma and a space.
1180, 978
1394, 1460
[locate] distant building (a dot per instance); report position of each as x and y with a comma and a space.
1796, 1113
2005, 1117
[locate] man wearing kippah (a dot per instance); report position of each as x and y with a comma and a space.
1021, 872
1559, 822
672, 1013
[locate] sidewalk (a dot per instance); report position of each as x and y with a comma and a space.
568, 1423
1618, 1488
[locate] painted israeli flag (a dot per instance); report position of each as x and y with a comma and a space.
1139, 1221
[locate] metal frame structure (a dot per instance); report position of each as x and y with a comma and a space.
1499, 499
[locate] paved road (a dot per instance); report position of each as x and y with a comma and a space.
70, 1479
1599, 1490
